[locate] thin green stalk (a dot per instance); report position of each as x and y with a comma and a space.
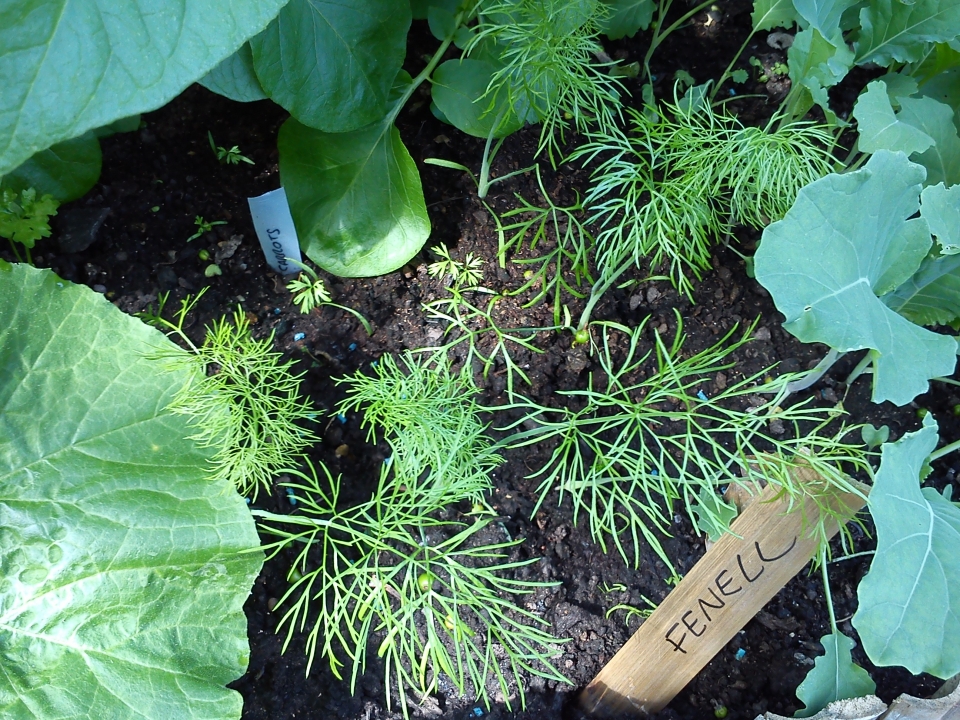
659, 37
945, 450
728, 71
826, 589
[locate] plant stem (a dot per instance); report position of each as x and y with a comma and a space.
659, 36
826, 589
814, 375
727, 73
854, 555
426, 72
598, 290
948, 381
945, 450
860, 368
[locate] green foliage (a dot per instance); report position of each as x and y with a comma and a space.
356, 197
203, 227
685, 176
464, 274
240, 399
625, 17
430, 419
332, 64
648, 436
558, 232
433, 597
227, 156
940, 207
547, 53
24, 218
907, 612
309, 293
125, 566
120, 63
825, 267
459, 90
66, 171
235, 77
834, 677
932, 295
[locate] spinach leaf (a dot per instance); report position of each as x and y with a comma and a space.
124, 568
332, 64
235, 77
356, 197
69, 66
66, 171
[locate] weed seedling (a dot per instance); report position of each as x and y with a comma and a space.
203, 227
465, 275
311, 293
226, 156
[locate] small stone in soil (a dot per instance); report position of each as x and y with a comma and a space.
635, 301
762, 334
167, 278
79, 228
652, 294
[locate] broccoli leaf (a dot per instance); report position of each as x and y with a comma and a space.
879, 127
356, 197
69, 66
932, 295
940, 207
909, 602
895, 31
942, 159
834, 677
770, 14
825, 267
124, 568
332, 64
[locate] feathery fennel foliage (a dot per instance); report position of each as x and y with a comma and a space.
434, 594
241, 398
685, 176
650, 436
430, 419
548, 50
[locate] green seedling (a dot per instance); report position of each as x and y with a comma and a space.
240, 397
631, 612
465, 274
226, 156
212, 271
310, 293
203, 227
24, 218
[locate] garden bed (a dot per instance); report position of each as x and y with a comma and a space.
158, 179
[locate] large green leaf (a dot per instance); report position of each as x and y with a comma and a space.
67, 170
825, 266
940, 207
458, 89
823, 16
935, 119
626, 17
122, 583
817, 64
770, 14
909, 602
331, 64
355, 197
235, 77
834, 676
932, 295
68, 66
892, 30
881, 129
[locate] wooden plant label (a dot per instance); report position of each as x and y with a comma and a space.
723, 591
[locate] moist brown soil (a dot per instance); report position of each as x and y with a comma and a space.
156, 180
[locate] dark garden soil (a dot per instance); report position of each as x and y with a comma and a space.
156, 180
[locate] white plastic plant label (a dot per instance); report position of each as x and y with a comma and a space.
274, 226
